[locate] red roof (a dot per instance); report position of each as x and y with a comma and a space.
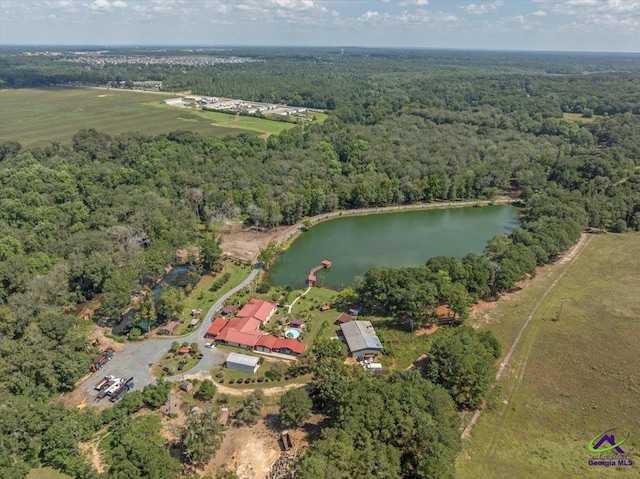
247, 325
344, 318
216, 326
312, 277
258, 309
292, 344
267, 341
325, 307
184, 350
239, 337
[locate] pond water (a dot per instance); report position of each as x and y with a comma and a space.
355, 244
178, 277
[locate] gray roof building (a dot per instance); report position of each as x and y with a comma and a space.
361, 338
242, 362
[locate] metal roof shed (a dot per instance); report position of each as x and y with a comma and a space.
361, 338
242, 362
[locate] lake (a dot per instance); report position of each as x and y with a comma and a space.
355, 244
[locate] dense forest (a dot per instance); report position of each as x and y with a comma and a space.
105, 215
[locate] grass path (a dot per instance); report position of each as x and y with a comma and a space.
296, 300
573, 255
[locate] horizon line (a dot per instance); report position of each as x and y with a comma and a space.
266, 47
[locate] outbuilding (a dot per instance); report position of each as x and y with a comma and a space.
170, 327
186, 386
242, 362
361, 338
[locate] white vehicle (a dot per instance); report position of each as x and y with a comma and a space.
113, 388
210, 345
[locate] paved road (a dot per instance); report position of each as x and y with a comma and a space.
136, 358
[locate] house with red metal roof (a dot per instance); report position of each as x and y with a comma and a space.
256, 308
240, 332
266, 343
289, 346
243, 331
216, 326
239, 339
270, 344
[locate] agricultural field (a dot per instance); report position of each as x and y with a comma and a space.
574, 374
38, 116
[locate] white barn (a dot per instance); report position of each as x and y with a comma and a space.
242, 362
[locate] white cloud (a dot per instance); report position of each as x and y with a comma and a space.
621, 6
414, 3
104, 5
482, 8
582, 3
540, 13
370, 16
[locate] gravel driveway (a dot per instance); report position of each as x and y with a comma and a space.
136, 359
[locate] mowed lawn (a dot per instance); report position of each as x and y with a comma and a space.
569, 379
38, 116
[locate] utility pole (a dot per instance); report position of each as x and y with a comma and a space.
562, 301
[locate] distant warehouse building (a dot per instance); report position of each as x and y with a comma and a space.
242, 362
361, 338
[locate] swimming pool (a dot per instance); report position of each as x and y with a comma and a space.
292, 333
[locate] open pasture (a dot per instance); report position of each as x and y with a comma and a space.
39, 116
573, 375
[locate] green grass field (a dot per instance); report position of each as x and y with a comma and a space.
46, 473
569, 379
36, 117
578, 118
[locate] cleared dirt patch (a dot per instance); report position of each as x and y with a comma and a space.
247, 451
246, 243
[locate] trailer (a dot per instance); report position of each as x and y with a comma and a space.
125, 388
105, 388
103, 382
102, 360
113, 387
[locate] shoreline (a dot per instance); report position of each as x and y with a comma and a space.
292, 233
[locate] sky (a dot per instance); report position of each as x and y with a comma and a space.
569, 25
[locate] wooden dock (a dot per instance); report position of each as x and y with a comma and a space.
311, 279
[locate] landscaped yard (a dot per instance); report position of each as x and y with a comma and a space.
266, 376
174, 362
202, 297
